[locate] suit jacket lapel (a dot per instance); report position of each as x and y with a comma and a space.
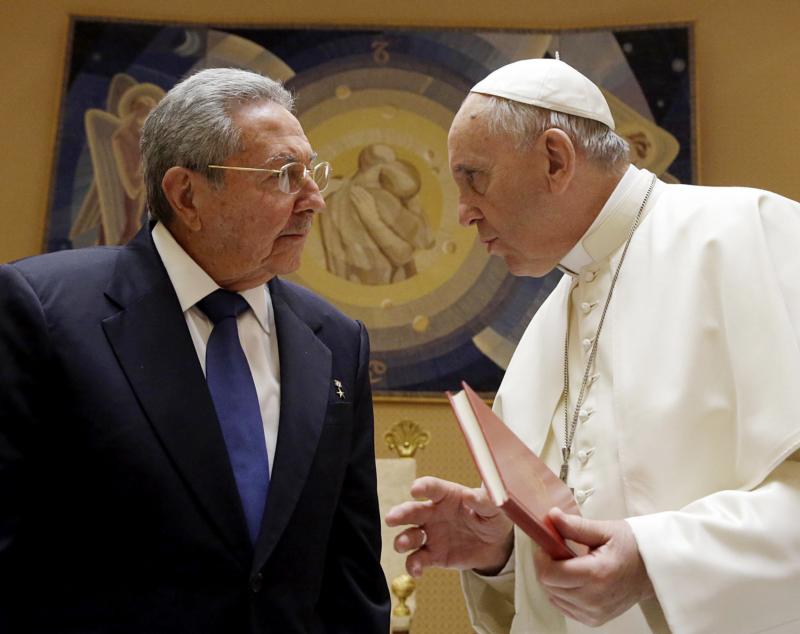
154, 348
305, 364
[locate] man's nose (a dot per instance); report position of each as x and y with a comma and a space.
311, 196
468, 214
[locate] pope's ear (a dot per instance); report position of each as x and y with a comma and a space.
180, 186
560, 153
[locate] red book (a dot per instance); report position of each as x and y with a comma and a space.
517, 480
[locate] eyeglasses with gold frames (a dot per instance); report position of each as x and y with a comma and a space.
291, 176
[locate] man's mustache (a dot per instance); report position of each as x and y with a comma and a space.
302, 226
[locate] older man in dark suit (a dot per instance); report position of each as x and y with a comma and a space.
186, 441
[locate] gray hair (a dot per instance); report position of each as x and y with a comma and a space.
525, 123
192, 127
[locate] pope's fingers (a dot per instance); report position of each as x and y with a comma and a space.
410, 539
565, 607
562, 586
434, 489
593, 533
418, 561
479, 501
411, 512
568, 573
437, 490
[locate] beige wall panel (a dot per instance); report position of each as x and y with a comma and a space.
440, 609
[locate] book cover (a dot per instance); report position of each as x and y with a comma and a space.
517, 480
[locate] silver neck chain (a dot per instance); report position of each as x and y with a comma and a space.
570, 426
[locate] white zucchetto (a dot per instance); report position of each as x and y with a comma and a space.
548, 83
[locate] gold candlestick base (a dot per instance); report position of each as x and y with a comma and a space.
402, 587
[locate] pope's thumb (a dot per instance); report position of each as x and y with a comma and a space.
592, 533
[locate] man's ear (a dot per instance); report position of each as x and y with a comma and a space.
560, 154
180, 186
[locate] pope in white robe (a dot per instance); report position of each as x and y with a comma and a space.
689, 420
688, 425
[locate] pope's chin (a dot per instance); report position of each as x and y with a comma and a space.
523, 268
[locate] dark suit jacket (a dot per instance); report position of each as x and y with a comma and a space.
118, 506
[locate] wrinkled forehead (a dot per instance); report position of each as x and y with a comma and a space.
471, 116
470, 125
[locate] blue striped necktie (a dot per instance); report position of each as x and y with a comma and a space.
236, 402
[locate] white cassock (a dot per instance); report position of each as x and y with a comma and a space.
691, 415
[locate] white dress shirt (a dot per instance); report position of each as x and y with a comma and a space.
256, 327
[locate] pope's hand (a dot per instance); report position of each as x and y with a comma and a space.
455, 527
602, 584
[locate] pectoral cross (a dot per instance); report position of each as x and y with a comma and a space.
564, 464
565, 468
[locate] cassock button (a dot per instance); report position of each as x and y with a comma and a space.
256, 582
588, 276
584, 414
587, 344
586, 308
585, 454
581, 495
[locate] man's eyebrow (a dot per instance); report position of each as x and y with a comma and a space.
286, 157
283, 156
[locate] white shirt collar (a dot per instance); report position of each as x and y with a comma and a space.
192, 283
610, 227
